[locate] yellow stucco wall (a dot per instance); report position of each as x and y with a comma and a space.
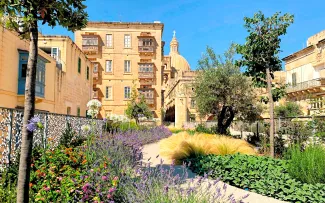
72, 88
9, 66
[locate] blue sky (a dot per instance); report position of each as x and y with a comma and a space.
216, 23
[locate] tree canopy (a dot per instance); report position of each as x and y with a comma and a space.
221, 90
137, 107
260, 56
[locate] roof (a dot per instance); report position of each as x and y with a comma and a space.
298, 52
147, 25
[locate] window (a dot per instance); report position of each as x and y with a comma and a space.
55, 53
90, 40
127, 41
78, 111
146, 67
95, 70
68, 110
108, 68
294, 79
127, 92
109, 40
147, 42
24, 70
193, 103
108, 92
79, 65
40, 75
127, 66
87, 73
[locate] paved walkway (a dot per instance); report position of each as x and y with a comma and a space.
152, 151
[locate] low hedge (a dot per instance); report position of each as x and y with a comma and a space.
263, 175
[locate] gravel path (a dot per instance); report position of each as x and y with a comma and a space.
152, 151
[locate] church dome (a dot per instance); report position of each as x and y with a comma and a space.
177, 60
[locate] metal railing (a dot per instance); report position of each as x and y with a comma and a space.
11, 122
304, 85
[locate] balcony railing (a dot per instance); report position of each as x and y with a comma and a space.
146, 75
95, 94
146, 49
150, 101
147, 82
90, 49
305, 85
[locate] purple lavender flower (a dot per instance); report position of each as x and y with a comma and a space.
31, 127
34, 123
104, 119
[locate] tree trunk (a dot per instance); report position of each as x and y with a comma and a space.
222, 123
29, 109
271, 106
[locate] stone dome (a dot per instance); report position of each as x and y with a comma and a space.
177, 60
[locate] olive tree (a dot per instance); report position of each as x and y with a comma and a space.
24, 17
221, 90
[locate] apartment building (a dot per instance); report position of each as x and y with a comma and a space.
13, 69
73, 86
305, 74
60, 87
125, 55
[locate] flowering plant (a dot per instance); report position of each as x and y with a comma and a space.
93, 108
34, 124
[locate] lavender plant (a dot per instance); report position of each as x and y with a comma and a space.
160, 184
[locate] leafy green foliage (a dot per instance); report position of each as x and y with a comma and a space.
221, 89
263, 45
21, 16
308, 165
70, 138
137, 108
289, 109
262, 175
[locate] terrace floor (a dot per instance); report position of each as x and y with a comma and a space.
151, 151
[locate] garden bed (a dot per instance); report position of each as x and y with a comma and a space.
259, 174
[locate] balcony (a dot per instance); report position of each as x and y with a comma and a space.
146, 75
147, 82
309, 86
95, 94
146, 49
90, 44
148, 94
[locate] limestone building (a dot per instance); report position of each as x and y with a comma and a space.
128, 55
73, 78
59, 87
125, 55
305, 73
179, 101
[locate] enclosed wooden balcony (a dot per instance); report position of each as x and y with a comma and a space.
148, 94
147, 44
95, 94
146, 75
310, 86
90, 44
97, 74
146, 82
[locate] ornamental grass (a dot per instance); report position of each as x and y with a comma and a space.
183, 145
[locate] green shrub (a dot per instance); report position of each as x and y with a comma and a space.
289, 109
70, 138
202, 129
309, 165
263, 175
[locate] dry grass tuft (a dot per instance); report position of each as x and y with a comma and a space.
182, 145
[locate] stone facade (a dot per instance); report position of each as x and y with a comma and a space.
61, 84
127, 55
305, 72
73, 87
11, 47
121, 52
